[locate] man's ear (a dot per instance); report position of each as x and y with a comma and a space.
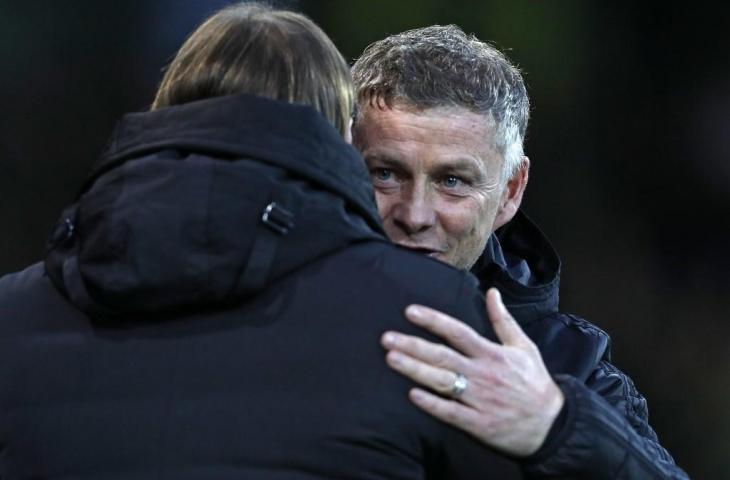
512, 195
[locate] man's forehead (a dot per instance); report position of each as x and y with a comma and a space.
384, 116
439, 127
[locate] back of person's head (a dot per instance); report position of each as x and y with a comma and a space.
256, 49
441, 66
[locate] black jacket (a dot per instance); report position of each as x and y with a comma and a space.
211, 307
603, 430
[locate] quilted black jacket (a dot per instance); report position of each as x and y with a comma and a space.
185, 327
603, 430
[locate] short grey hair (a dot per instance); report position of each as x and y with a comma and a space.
441, 66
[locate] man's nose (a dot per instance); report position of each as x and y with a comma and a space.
415, 211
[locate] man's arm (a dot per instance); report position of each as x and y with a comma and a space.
592, 439
511, 403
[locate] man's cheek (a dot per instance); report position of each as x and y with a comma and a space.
468, 233
382, 203
460, 222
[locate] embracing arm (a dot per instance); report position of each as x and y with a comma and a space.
593, 439
559, 427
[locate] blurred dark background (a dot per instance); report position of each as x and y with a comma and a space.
629, 142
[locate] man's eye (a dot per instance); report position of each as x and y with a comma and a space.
451, 181
382, 174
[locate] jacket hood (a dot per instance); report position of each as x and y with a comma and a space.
202, 205
521, 263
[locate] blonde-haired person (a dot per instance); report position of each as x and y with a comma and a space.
252, 48
211, 303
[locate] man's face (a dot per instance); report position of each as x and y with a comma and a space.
436, 174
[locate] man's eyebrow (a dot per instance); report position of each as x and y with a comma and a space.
464, 166
386, 160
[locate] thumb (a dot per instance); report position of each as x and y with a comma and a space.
505, 326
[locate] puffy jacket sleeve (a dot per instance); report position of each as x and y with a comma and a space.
602, 433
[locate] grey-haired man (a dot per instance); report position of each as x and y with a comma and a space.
441, 121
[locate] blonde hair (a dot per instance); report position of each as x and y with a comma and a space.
255, 49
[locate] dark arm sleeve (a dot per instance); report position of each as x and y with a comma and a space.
602, 433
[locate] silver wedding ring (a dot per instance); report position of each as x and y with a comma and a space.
459, 385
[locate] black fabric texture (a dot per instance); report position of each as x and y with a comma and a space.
602, 430
145, 348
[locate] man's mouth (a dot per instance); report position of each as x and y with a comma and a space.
431, 252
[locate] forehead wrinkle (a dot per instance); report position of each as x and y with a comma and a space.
441, 115
431, 137
478, 135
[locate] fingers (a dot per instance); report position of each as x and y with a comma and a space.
437, 379
505, 326
457, 334
449, 411
431, 353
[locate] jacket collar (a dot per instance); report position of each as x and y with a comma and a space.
294, 137
179, 214
520, 261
